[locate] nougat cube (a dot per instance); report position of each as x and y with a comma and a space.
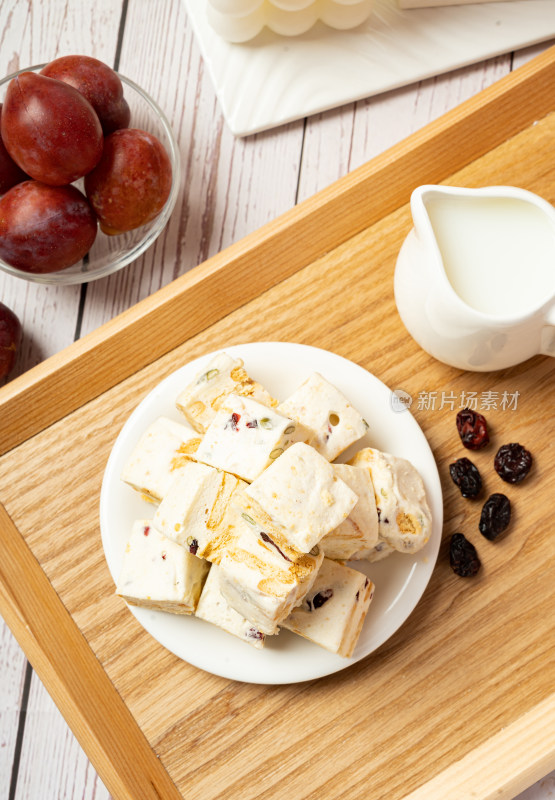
404, 517
325, 410
359, 532
245, 437
380, 551
193, 510
214, 608
301, 496
158, 573
262, 577
223, 375
162, 449
332, 613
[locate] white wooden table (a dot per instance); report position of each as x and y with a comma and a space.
229, 188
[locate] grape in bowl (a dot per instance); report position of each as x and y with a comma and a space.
108, 253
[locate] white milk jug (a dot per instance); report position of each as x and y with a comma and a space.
475, 277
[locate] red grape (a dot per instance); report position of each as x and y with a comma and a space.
132, 181
10, 173
98, 83
10, 339
45, 228
49, 129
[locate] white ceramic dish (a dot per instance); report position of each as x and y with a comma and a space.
400, 579
272, 79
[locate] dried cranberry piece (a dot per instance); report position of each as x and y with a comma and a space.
233, 421
466, 476
463, 556
254, 633
512, 462
266, 538
319, 599
473, 429
495, 517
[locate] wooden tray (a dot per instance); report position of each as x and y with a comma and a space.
460, 702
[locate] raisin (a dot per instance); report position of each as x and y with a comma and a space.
473, 429
512, 462
463, 556
266, 538
495, 517
466, 476
193, 547
322, 597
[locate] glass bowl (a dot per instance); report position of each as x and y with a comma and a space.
111, 253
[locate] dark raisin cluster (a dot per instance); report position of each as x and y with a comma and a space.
512, 463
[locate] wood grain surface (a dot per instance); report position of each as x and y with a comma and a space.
473, 658
74, 677
229, 188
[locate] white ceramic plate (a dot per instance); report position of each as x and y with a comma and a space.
275, 79
400, 579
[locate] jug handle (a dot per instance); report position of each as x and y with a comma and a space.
547, 340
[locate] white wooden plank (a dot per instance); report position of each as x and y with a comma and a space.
53, 765
12, 670
48, 315
524, 55
398, 114
544, 789
340, 140
229, 187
